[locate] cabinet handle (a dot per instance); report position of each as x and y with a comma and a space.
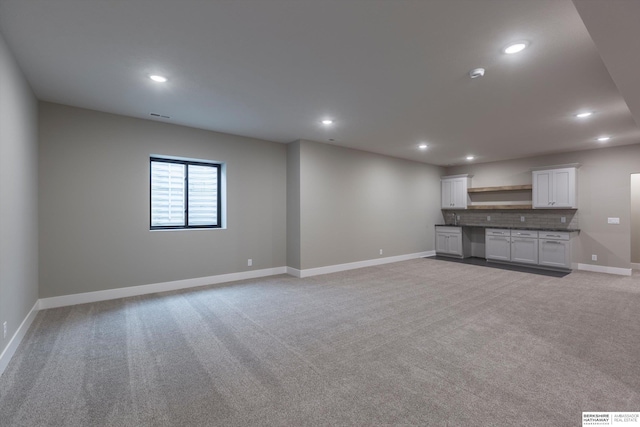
553, 235
555, 242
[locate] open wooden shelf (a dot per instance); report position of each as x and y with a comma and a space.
501, 207
503, 188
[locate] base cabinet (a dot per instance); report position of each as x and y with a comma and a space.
555, 250
449, 241
498, 244
524, 246
546, 249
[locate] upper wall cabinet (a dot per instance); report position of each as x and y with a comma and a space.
555, 188
454, 191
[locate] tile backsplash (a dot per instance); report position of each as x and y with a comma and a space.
512, 218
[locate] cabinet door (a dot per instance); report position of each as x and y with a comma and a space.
459, 193
564, 188
455, 244
498, 248
524, 250
554, 253
542, 189
442, 243
447, 194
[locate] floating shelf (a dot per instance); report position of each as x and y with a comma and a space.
501, 207
497, 189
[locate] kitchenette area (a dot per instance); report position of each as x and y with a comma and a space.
532, 225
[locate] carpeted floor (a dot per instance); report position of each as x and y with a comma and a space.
420, 342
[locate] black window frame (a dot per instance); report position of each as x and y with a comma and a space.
186, 226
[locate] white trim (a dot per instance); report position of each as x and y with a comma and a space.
464, 175
358, 264
566, 165
294, 272
635, 265
605, 269
108, 294
15, 341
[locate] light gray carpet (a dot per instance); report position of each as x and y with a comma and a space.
420, 342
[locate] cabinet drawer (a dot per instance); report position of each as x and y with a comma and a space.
497, 232
454, 230
554, 235
524, 234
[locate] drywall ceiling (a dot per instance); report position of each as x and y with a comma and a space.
392, 74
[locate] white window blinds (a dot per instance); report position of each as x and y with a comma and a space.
167, 194
184, 194
203, 195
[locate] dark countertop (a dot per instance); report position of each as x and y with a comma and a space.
569, 230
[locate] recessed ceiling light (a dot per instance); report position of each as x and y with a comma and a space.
159, 79
604, 138
327, 122
583, 115
422, 146
470, 157
515, 48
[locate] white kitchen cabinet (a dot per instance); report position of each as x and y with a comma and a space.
449, 241
524, 246
555, 188
454, 191
498, 244
555, 249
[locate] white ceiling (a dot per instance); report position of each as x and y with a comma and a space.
392, 74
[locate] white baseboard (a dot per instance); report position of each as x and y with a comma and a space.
88, 297
15, 341
108, 294
353, 265
294, 272
604, 269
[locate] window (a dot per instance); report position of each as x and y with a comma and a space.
185, 194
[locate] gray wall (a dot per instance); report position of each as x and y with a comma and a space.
603, 191
94, 203
635, 218
18, 196
354, 203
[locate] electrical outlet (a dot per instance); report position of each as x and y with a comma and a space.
458, 218
249, 262
488, 217
4, 329
594, 257
380, 251
613, 220
563, 219
521, 219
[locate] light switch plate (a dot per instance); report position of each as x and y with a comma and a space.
613, 220
563, 219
